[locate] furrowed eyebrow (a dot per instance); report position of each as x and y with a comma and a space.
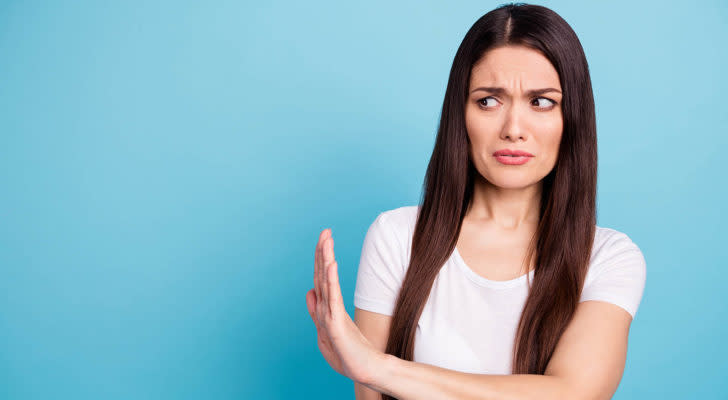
500, 90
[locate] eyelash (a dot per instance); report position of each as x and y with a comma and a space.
553, 103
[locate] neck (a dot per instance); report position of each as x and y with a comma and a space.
507, 208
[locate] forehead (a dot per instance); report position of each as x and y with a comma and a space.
514, 66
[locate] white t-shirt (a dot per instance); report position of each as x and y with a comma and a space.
469, 322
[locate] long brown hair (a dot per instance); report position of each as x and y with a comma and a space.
567, 214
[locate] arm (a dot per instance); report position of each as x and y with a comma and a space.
587, 363
375, 327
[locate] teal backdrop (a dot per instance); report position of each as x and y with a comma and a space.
166, 168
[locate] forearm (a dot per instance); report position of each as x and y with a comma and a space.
407, 380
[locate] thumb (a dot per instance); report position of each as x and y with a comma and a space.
311, 303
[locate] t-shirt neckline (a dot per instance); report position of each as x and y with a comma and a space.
480, 280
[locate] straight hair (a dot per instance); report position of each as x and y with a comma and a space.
564, 235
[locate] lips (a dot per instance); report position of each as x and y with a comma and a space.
512, 153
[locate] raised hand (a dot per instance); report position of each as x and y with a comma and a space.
341, 342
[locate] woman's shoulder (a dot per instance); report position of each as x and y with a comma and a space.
614, 249
617, 272
398, 225
401, 217
610, 245
609, 240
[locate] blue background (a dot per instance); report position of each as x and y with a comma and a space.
166, 168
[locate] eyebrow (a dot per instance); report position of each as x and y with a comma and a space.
500, 90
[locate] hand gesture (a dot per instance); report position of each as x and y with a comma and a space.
341, 342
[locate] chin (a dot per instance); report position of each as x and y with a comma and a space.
512, 180
513, 185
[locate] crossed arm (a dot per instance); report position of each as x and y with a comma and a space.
587, 363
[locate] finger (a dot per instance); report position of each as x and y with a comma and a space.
335, 298
320, 303
318, 262
329, 258
325, 274
322, 263
311, 305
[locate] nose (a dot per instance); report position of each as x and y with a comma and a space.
513, 125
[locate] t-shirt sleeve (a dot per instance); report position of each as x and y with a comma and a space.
381, 272
620, 277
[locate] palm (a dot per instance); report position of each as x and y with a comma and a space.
324, 341
339, 339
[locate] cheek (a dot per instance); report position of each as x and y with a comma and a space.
479, 129
552, 143
551, 132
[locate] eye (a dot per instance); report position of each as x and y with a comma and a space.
545, 105
480, 102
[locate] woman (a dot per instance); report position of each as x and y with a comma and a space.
500, 284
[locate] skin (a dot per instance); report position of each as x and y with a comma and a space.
504, 211
505, 200
340, 341
508, 195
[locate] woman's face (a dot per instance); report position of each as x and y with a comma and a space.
514, 103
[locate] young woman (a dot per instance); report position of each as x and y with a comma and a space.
500, 284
